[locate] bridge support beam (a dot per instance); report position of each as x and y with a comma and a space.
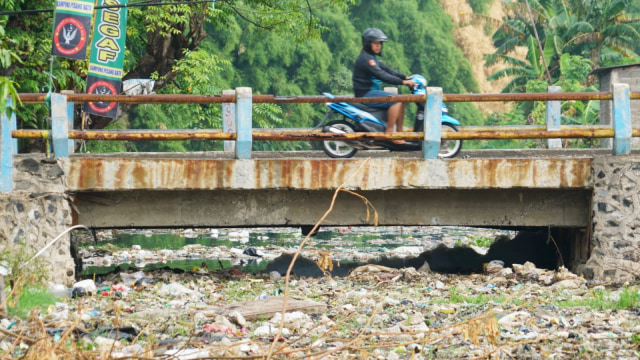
285, 207
243, 123
553, 118
8, 147
432, 123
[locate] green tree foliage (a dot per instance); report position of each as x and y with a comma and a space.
272, 63
421, 41
479, 6
519, 71
285, 48
574, 72
576, 36
601, 31
7, 86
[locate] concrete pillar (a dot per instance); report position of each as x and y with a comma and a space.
243, 122
61, 123
35, 221
553, 117
8, 147
614, 242
229, 120
70, 118
432, 123
621, 119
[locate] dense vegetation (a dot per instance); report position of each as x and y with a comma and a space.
569, 40
297, 47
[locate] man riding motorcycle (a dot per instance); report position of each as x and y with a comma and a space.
369, 73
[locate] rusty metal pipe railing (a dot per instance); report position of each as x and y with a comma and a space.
297, 135
488, 128
529, 134
133, 135
40, 98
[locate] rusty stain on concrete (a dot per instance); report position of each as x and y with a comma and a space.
114, 174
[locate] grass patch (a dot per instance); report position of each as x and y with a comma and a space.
455, 297
601, 299
479, 240
28, 279
27, 299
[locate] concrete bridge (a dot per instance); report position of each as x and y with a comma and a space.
187, 190
589, 196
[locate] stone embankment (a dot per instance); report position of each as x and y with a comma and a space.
37, 212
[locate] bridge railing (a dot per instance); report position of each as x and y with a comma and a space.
238, 134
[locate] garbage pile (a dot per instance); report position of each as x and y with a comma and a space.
373, 312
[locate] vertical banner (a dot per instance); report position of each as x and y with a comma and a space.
71, 28
107, 56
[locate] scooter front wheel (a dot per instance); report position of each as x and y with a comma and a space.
338, 149
449, 148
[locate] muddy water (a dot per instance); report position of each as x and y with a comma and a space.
250, 249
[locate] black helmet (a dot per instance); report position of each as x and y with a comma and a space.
372, 34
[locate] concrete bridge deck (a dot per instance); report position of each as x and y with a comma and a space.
290, 189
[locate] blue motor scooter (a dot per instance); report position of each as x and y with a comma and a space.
358, 117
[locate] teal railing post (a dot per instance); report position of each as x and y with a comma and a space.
60, 125
432, 123
553, 118
621, 119
8, 147
229, 120
244, 137
70, 117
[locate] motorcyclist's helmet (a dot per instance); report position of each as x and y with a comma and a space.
372, 34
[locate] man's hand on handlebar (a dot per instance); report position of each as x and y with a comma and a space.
409, 83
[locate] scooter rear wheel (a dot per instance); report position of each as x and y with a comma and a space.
449, 148
338, 149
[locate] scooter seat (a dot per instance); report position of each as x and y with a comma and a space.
380, 114
365, 107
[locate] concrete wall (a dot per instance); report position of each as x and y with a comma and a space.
615, 238
36, 212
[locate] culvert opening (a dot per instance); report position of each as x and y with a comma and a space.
547, 248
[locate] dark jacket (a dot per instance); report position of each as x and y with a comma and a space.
369, 73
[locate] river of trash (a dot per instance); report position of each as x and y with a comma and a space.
212, 295
251, 249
